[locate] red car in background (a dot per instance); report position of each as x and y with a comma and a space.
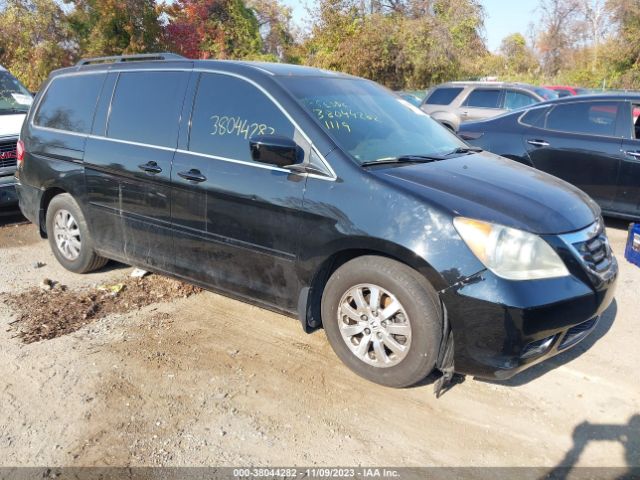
567, 91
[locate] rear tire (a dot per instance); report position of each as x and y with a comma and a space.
69, 236
383, 320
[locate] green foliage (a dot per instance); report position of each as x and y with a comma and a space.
517, 58
624, 49
274, 20
404, 44
114, 27
405, 47
213, 29
34, 39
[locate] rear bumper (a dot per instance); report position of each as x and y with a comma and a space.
497, 340
8, 194
29, 200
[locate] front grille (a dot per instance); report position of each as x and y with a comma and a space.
8, 154
577, 333
596, 252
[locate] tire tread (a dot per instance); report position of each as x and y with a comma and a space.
417, 292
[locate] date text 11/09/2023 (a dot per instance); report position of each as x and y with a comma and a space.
363, 472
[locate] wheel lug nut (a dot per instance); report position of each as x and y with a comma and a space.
364, 318
379, 335
367, 331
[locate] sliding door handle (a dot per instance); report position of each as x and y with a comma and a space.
193, 175
150, 167
538, 143
635, 155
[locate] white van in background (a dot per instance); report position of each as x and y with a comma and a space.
15, 101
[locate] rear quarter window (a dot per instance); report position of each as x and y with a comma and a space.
69, 103
535, 117
443, 96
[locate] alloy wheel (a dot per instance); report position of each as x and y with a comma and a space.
67, 234
374, 325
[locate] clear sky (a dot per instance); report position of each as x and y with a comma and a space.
503, 17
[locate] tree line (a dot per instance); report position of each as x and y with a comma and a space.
403, 44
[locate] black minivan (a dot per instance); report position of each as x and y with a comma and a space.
318, 195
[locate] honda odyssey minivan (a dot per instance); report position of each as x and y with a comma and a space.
322, 196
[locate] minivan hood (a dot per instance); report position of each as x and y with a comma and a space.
10, 125
487, 187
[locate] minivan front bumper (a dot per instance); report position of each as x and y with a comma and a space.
8, 195
502, 327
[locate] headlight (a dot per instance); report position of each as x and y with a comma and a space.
510, 253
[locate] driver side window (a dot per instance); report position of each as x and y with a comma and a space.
227, 112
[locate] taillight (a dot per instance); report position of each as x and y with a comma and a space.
20, 153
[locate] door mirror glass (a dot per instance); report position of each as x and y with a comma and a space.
275, 150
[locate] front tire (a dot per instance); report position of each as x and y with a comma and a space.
69, 236
383, 320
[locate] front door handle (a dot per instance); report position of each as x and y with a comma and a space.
635, 155
538, 143
150, 167
193, 175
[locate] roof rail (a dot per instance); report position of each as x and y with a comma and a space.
130, 58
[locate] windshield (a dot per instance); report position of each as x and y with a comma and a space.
369, 122
14, 97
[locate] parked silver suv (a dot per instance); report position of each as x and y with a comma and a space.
456, 102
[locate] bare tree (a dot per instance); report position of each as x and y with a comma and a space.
595, 24
555, 32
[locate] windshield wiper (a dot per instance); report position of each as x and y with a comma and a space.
464, 151
10, 111
405, 159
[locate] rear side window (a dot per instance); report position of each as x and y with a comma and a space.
443, 96
146, 107
483, 98
514, 100
227, 112
593, 118
69, 103
534, 117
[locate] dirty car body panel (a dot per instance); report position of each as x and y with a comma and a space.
270, 235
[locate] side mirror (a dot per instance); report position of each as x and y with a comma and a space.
275, 150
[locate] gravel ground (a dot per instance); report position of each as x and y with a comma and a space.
207, 380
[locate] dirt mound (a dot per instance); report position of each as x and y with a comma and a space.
50, 311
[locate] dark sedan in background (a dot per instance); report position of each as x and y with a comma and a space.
590, 141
